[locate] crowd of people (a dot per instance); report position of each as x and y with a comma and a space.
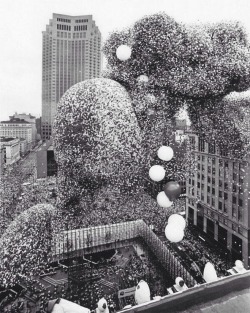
26, 242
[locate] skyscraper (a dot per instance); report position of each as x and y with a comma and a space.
71, 53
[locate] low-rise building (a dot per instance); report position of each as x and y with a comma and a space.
11, 149
17, 128
28, 118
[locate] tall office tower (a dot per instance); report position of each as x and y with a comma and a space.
218, 200
71, 53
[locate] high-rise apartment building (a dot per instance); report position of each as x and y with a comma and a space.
71, 53
218, 198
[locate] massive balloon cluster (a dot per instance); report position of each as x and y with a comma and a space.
193, 65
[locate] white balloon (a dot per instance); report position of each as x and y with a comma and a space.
142, 292
177, 220
173, 233
163, 200
143, 78
165, 153
239, 264
157, 173
69, 307
178, 280
151, 98
209, 273
123, 52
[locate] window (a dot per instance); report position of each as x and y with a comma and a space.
208, 188
201, 145
240, 214
240, 202
220, 193
211, 148
234, 211
213, 191
208, 199
225, 195
220, 206
213, 202
234, 199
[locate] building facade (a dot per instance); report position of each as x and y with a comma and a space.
45, 160
23, 146
28, 118
71, 53
11, 150
17, 128
218, 200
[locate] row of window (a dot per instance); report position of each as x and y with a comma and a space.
63, 27
64, 20
82, 21
80, 27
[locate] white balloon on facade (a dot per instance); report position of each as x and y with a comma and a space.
209, 273
163, 200
174, 233
177, 220
165, 153
123, 52
157, 173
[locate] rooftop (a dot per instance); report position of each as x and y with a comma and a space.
6, 139
15, 121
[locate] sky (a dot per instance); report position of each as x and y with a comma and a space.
22, 23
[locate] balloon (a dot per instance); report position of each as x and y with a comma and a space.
173, 233
151, 98
143, 78
179, 281
172, 190
209, 273
142, 292
102, 306
157, 173
123, 52
165, 153
239, 265
177, 219
66, 307
163, 200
